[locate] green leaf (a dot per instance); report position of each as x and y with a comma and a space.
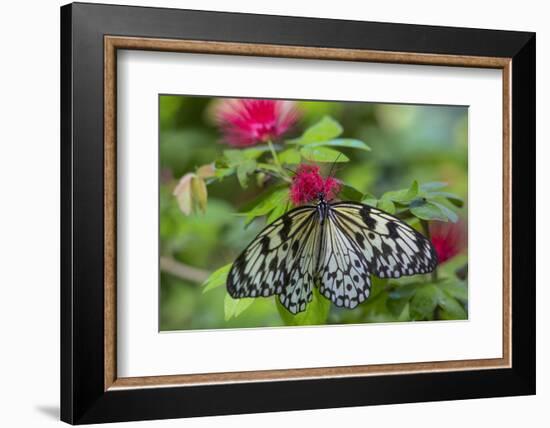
424, 302
370, 200
216, 278
221, 173
267, 193
290, 156
322, 154
396, 306
277, 198
267, 167
350, 193
455, 289
342, 142
277, 212
449, 213
375, 308
404, 291
243, 170
425, 298
316, 312
255, 152
451, 308
326, 129
234, 157
378, 286
411, 193
386, 205
405, 314
431, 211
403, 196
456, 200
234, 307
418, 202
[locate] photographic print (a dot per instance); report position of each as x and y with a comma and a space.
294, 213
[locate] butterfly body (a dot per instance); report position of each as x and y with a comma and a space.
322, 208
335, 246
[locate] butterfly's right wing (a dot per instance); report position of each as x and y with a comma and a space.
280, 260
359, 240
391, 247
342, 270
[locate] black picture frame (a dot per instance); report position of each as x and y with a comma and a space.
83, 396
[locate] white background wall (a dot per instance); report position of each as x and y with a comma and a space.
29, 217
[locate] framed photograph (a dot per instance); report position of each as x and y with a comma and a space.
266, 213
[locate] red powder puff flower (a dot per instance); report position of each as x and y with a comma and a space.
246, 122
308, 184
448, 239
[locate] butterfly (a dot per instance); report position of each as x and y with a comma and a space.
335, 246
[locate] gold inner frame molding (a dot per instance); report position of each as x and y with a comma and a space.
113, 43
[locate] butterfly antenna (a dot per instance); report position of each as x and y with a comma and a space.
334, 164
290, 170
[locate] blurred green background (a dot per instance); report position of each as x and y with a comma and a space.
408, 142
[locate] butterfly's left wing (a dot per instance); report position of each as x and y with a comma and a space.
391, 248
280, 260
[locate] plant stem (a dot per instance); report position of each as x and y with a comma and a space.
273, 174
182, 271
276, 159
426, 228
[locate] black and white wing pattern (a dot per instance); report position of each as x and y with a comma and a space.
357, 241
342, 269
280, 260
390, 247
333, 246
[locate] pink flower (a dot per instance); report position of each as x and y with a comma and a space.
246, 122
448, 239
308, 185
